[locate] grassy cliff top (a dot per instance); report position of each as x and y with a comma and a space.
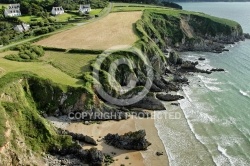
178, 13
129, 7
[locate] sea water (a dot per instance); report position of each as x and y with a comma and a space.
214, 128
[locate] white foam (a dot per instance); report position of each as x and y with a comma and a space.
210, 82
213, 88
233, 160
245, 93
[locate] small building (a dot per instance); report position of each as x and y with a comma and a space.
57, 10
84, 9
13, 10
22, 27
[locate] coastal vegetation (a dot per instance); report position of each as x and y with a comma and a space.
18, 105
26, 52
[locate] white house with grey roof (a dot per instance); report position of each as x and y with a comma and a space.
84, 9
57, 10
13, 10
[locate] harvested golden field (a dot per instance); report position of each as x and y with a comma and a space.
114, 29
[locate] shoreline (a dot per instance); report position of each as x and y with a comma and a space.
98, 131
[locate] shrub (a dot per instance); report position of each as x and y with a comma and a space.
76, 50
12, 56
27, 52
54, 49
51, 28
24, 56
38, 50
33, 19
41, 31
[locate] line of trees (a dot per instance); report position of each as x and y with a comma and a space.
32, 6
210, 0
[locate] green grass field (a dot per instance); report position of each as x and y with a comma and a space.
63, 17
177, 13
43, 69
72, 64
3, 5
27, 19
95, 12
126, 7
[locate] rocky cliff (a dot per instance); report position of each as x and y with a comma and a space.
189, 31
25, 135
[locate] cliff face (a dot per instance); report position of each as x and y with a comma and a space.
26, 133
186, 31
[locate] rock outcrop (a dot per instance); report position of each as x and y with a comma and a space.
149, 103
130, 141
247, 35
159, 153
169, 97
78, 137
188, 66
174, 58
91, 156
201, 59
217, 69
180, 79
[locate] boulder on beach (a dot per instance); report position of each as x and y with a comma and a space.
130, 141
95, 157
159, 153
78, 137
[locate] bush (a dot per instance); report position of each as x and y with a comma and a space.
54, 49
38, 50
27, 52
51, 28
76, 50
24, 56
12, 56
33, 19
41, 31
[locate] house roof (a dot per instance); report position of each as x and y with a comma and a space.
57, 8
14, 6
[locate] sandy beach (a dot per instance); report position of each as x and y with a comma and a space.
137, 158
